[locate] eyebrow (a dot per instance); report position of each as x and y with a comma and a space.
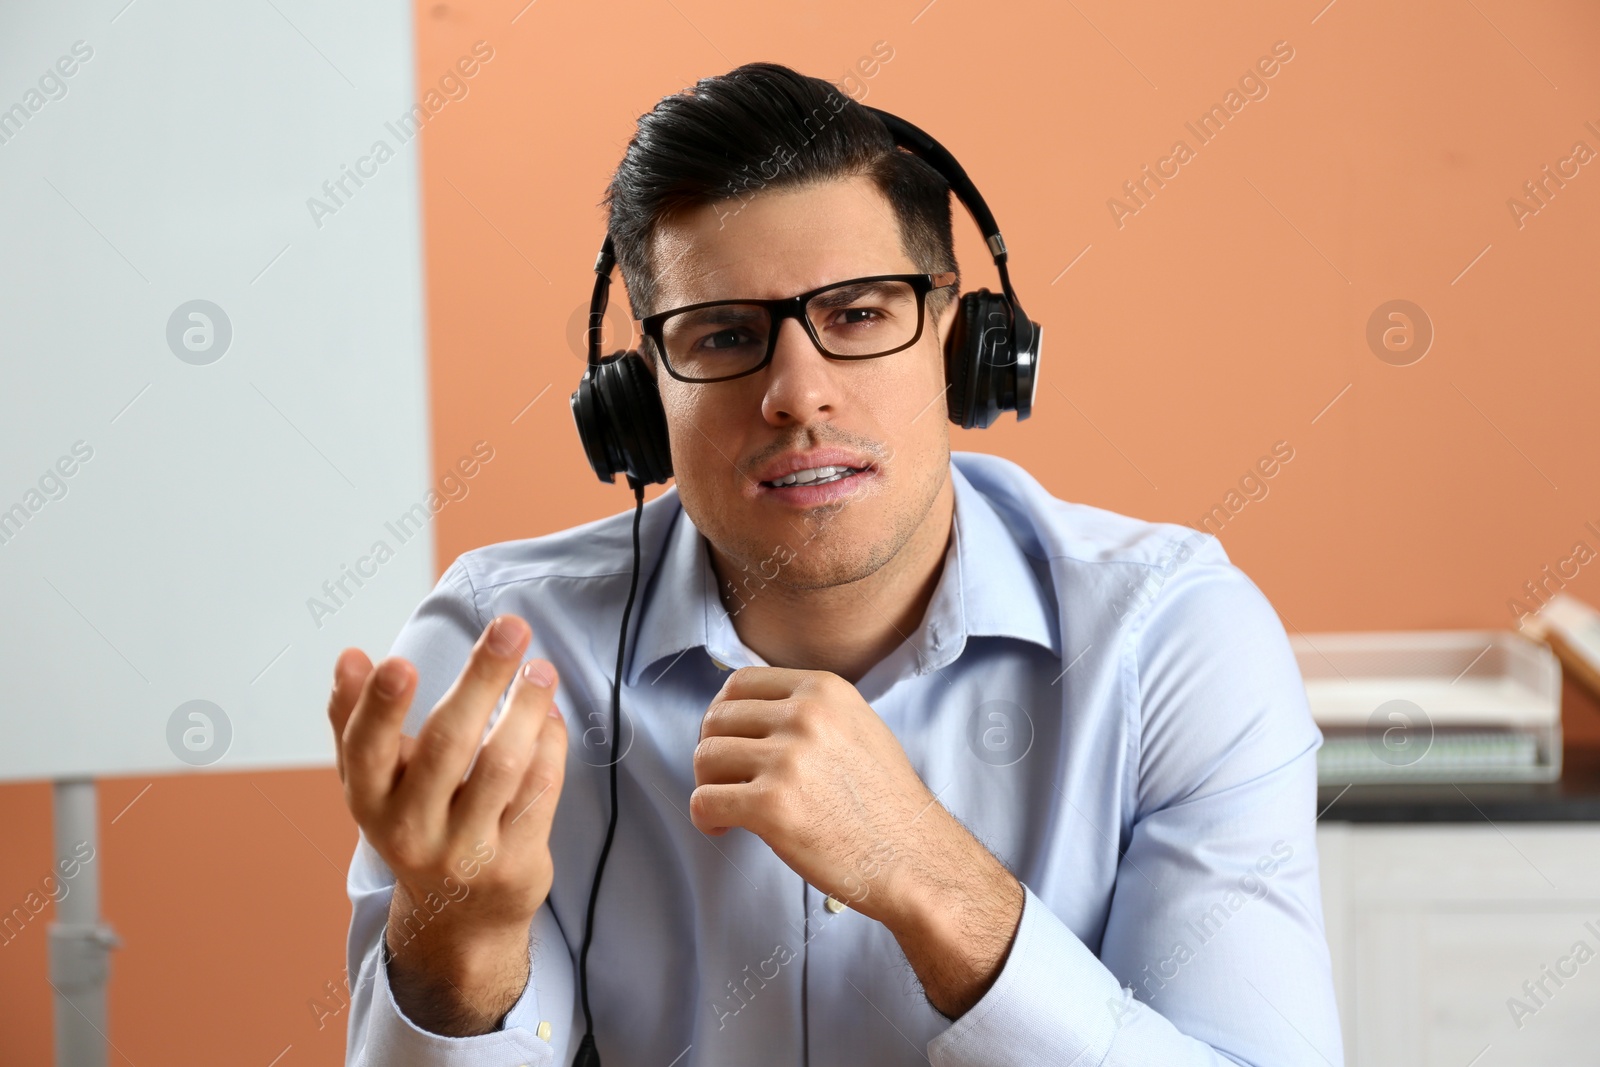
833, 298
851, 293
723, 314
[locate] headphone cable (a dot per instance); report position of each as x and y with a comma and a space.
588, 1055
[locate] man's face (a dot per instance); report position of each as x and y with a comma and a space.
889, 412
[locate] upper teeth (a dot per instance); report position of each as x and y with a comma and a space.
812, 474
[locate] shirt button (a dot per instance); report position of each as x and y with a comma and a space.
721, 666
544, 1030
833, 905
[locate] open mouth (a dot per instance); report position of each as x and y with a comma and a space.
814, 476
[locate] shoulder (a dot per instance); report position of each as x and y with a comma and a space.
601, 548
1107, 551
558, 582
1207, 659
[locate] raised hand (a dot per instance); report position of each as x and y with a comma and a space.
470, 852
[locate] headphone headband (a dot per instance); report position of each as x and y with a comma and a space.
937, 156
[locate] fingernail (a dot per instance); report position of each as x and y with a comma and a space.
554, 712
500, 638
390, 679
539, 672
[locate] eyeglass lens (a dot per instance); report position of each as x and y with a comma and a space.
857, 319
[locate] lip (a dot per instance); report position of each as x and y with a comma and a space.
799, 461
809, 496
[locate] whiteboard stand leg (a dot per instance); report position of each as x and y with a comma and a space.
80, 945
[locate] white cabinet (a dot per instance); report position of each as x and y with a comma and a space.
1465, 944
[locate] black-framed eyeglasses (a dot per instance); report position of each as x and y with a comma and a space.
860, 318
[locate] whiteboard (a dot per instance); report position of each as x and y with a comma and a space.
213, 397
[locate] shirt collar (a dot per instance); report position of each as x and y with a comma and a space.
988, 587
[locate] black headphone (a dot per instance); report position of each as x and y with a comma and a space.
991, 356
991, 363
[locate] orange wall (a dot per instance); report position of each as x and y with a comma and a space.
1222, 317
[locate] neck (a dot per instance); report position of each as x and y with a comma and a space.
846, 629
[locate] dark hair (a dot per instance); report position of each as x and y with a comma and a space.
765, 126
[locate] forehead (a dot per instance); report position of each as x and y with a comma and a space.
775, 243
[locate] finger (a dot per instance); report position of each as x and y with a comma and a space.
533, 807
743, 718
372, 735
506, 753
713, 808
349, 671
762, 683
720, 760
454, 728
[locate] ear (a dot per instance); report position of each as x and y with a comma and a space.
946, 320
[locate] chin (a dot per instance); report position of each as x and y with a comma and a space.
824, 570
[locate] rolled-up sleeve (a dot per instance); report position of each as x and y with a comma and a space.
437, 640
1213, 950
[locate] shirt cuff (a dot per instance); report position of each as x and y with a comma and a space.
392, 1038
1041, 1008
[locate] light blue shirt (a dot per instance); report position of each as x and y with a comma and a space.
1108, 704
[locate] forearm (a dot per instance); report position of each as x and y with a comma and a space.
958, 925
449, 980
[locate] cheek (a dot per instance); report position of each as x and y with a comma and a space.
700, 430
912, 395
683, 415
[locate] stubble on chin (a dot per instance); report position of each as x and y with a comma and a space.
826, 547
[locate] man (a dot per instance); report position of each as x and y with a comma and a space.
918, 761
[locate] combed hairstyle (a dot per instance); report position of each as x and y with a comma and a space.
760, 127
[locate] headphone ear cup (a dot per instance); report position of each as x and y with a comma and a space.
957, 362
977, 357
620, 420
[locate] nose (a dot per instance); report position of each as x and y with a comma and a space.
800, 382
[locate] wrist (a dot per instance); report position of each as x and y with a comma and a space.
947, 873
447, 926
978, 897
453, 978
956, 925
